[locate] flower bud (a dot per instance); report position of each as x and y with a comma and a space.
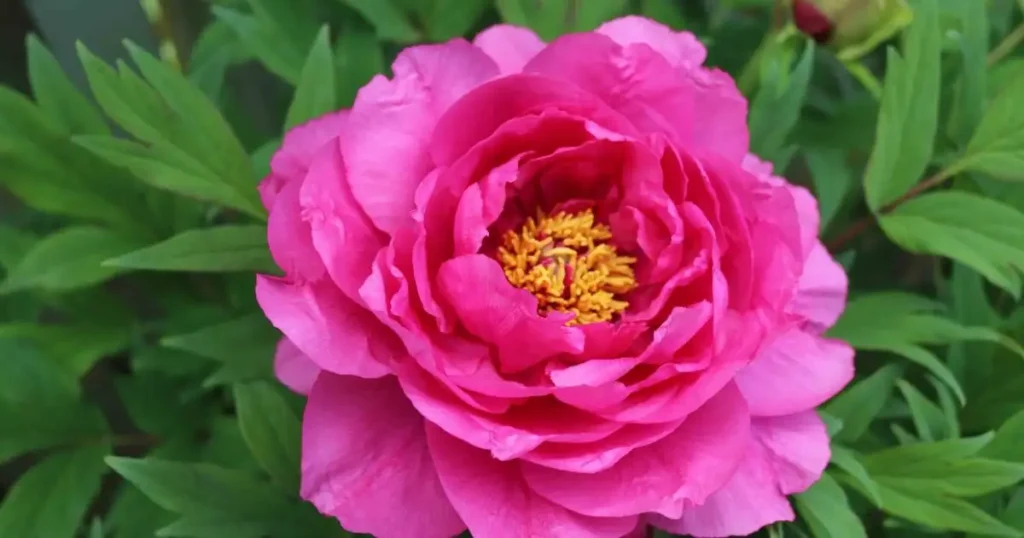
852, 27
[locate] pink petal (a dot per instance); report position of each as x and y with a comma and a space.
342, 234
482, 111
289, 236
335, 333
601, 454
365, 461
293, 368
635, 81
300, 144
681, 49
681, 469
797, 371
748, 502
722, 120
392, 121
494, 500
509, 46
503, 315
821, 291
797, 446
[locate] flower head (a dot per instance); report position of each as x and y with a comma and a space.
544, 290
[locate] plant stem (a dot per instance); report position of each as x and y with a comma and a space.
1007, 45
858, 227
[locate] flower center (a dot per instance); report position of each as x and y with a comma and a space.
565, 260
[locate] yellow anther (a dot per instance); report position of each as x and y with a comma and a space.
565, 261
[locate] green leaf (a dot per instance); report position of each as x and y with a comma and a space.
39, 404
972, 85
849, 462
69, 259
979, 232
271, 430
900, 459
827, 512
75, 347
314, 95
776, 108
160, 405
51, 498
1008, 440
860, 403
833, 181
967, 478
449, 19
359, 58
14, 244
927, 417
219, 249
245, 345
212, 500
908, 117
587, 16
934, 510
57, 96
387, 19
997, 147
167, 167
549, 18
258, 38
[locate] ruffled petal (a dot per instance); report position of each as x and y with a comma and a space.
293, 368
494, 500
821, 291
291, 161
509, 46
797, 446
365, 461
681, 49
677, 471
335, 333
797, 371
392, 121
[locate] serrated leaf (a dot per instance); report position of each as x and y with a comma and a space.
827, 512
220, 498
51, 498
776, 108
1008, 441
909, 112
927, 416
849, 462
314, 95
224, 248
979, 232
39, 404
387, 19
271, 430
449, 19
69, 259
997, 147
57, 96
936, 511
860, 403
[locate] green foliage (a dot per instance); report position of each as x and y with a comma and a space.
133, 354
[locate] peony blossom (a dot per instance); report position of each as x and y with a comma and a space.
545, 290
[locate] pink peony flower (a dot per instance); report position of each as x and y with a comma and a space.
544, 290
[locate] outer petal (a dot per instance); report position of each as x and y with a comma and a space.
798, 447
821, 291
335, 333
392, 120
293, 368
681, 49
288, 236
748, 502
796, 372
509, 46
681, 469
300, 144
365, 461
494, 500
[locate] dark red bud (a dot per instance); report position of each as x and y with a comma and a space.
811, 21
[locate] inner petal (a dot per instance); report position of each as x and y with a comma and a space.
568, 262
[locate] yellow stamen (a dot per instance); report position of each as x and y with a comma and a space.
567, 263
